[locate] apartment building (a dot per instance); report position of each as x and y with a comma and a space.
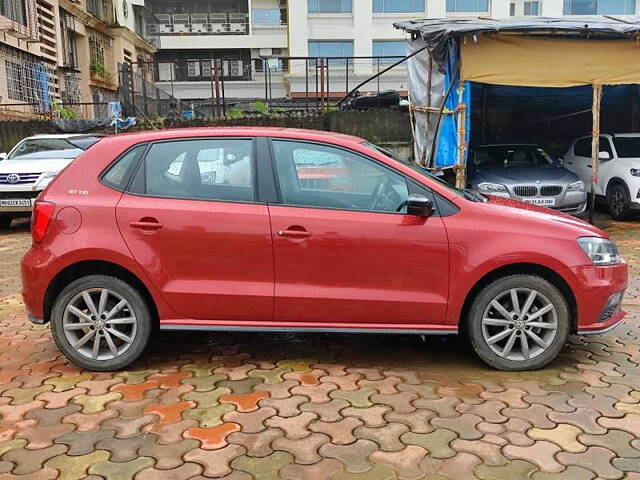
253, 38
69, 52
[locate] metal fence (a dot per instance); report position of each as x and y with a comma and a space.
213, 87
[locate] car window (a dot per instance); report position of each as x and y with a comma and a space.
511, 156
605, 146
627, 147
322, 176
39, 148
209, 169
118, 174
582, 148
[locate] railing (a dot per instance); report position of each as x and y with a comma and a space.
200, 23
268, 17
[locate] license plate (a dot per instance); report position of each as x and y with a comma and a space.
547, 202
18, 202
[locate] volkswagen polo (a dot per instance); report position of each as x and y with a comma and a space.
256, 229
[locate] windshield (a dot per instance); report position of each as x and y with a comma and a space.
416, 167
627, 147
511, 156
41, 148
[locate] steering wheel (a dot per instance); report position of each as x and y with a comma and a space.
379, 192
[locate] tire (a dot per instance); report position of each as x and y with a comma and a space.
133, 323
619, 202
5, 222
519, 357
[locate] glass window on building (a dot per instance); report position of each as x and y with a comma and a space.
331, 48
330, 6
472, 6
393, 49
398, 6
512, 9
599, 7
531, 8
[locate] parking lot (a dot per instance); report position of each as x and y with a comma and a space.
311, 406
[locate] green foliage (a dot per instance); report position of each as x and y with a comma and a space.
235, 112
261, 107
62, 111
99, 69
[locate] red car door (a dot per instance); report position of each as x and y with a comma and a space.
193, 224
343, 255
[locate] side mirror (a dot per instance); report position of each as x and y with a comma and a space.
3, 155
604, 155
419, 205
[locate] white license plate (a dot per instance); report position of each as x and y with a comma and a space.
17, 202
547, 202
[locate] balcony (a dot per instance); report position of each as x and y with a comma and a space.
200, 24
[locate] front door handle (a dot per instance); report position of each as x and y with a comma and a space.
146, 224
295, 233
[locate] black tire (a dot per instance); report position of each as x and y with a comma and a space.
139, 307
5, 222
474, 327
619, 202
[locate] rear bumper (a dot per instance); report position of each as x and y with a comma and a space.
593, 289
35, 268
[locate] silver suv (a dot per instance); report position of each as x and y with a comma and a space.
528, 174
29, 167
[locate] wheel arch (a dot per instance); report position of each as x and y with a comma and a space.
521, 268
80, 269
616, 181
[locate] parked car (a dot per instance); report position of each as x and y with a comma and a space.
132, 236
375, 100
526, 173
29, 167
618, 181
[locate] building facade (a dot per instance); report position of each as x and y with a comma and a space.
63, 57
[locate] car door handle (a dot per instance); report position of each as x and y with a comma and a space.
569, 163
294, 233
589, 166
146, 225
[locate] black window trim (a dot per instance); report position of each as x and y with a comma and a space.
141, 170
408, 180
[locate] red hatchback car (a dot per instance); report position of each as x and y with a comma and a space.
277, 229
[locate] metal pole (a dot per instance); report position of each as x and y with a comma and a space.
378, 81
265, 66
595, 147
213, 105
317, 66
270, 85
461, 175
216, 78
224, 98
306, 83
322, 83
346, 76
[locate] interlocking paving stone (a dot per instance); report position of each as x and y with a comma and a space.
82, 443
563, 435
75, 467
464, 425
570, 473
212, 438
216, 463
125, 449
328, 411
257, 444
405, 462
322, 470
491, 454
181, 472
121, 470
596, 459
616, 440
31, 461
540, 453
304, 451
266, 468
436, 442
252, 422
353, 456
519, 469
387, 437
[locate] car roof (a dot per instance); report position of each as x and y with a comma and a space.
292, 133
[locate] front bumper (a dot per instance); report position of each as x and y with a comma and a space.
593, 288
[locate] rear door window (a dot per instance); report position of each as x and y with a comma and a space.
119, 173
202, 169
582, 148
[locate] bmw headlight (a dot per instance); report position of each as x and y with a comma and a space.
46, 178
492, 187
635, 172
601, 251
576, 186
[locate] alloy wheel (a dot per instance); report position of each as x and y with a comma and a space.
519, 324
99, 324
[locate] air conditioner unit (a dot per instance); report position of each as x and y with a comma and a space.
235, 68
193, 68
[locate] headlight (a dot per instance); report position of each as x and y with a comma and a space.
576, 186
600, 250
492, 187
46, 178
635, 172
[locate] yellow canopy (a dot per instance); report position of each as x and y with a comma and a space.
530, 61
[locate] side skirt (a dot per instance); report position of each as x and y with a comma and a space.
220, 328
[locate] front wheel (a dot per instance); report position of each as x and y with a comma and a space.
518, 322
619, 202
101, 323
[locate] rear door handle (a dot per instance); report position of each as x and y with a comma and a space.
294, 233
146, 225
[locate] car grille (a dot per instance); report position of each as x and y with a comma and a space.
525, 190
17, 195
550, 190
23, 178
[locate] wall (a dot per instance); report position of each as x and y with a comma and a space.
387, 127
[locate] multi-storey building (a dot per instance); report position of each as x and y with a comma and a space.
67, 52
245, 33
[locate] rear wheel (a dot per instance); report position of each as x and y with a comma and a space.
519, 322
5, 222
101, 323
619, 202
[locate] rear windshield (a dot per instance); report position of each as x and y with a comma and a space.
627, 147
511, 156
39, 148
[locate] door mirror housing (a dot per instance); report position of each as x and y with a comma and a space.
419, 205
604, 155
3, 155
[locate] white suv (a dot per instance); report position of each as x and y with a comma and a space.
619, 174
29, 167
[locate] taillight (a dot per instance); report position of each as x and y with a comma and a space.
40, 220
